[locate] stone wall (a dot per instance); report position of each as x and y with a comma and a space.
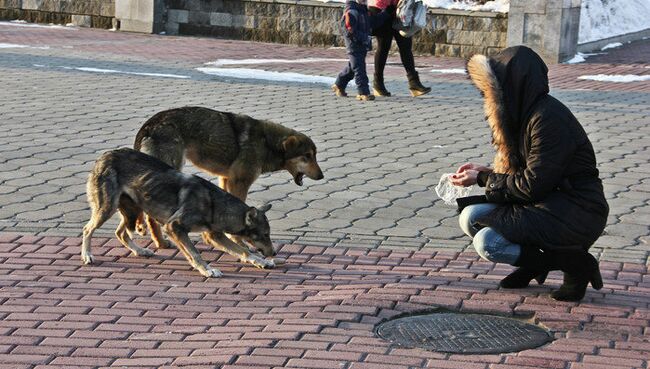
86, 13
294, 22
304, 22
462, 33
298, 22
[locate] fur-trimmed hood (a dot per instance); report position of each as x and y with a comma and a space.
511, 83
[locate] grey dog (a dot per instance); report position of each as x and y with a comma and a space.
131, 182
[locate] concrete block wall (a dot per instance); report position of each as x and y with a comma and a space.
144, 16
550, 27
85, 13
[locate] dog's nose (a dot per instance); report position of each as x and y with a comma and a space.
320, 176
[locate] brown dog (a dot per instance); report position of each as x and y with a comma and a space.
235, 147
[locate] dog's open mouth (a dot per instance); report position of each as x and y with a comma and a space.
298, 178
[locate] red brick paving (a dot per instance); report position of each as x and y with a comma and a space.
318, 311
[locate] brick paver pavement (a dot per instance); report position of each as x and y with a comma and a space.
317, 311
369, 241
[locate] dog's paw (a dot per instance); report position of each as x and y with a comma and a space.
210, 272
142, 252
87, 259
279, 261
259, 261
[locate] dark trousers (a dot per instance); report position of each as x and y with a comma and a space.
385, 35
356, 67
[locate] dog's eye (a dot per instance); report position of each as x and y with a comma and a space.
308, 155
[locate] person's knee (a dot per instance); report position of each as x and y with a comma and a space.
485, 244
467, 219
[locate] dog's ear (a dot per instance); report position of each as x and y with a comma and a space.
251, 217
265, 208
290, 143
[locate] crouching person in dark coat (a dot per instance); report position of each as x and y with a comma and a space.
544, 204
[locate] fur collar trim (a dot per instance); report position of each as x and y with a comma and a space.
504, 141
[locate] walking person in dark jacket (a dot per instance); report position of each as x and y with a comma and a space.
544, 203
385, 34
355, 27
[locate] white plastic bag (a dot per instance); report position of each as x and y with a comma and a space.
448, 192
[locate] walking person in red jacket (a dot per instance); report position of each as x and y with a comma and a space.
385, 34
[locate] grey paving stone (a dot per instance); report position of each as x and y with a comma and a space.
381, 159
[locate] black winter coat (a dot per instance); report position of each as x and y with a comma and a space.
545, 171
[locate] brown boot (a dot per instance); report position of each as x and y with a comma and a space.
415, 86
340, 92
365, 97
378, 87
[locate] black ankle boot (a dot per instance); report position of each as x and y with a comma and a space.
533, 264
415, 86
573, 288
378, 87
580, 268
521, 278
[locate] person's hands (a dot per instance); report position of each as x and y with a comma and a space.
473, 166
466, 178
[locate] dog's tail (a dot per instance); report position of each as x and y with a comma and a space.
150, 126
102, 187
142, 132
145, 130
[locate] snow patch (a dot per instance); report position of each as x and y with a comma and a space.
611, 46
112, 71
17, 46
581, 57
601, 19
501, 6
21, 23
621, 78
578, 58
12, 46
222, 62
449, 71
246, 73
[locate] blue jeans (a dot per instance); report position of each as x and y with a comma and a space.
356, 67
489, 244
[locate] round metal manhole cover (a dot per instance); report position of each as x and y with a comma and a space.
463, 333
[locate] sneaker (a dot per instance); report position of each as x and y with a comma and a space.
340, 92
365, 97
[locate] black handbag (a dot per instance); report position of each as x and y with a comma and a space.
463, 202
